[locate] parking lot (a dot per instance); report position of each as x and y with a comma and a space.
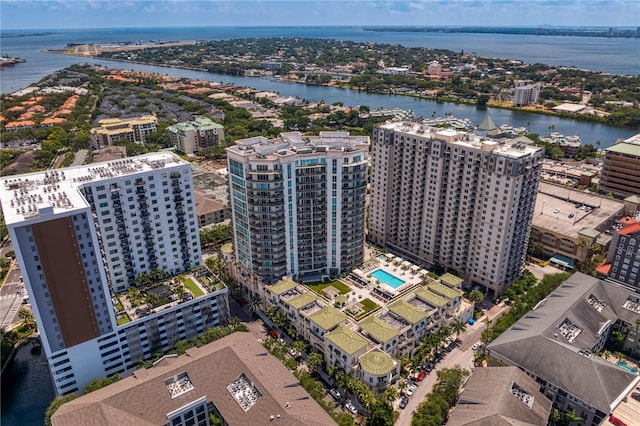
628, 411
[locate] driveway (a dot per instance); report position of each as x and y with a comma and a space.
540, 271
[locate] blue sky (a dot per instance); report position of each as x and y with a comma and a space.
44, 14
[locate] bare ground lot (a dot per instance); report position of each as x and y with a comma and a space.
96, 49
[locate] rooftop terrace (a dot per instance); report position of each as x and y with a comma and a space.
328, 317
139, 302
504, 147
379, 329
348, 340
294, 143
30, 195
407, 311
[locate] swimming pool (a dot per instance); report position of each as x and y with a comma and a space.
626, 367
387, 278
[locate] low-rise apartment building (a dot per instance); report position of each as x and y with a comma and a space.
557, 342
621, 169
195, 135
131, 129
369, 345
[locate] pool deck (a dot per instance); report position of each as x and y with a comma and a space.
395, 266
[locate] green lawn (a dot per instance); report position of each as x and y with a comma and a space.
367, 306
193, 288
123, 319
339, 285
118, 305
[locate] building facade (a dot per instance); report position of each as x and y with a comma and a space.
440, 196
131, 129
298, 204
623, 257
621, 169
526, 94
369, 346
196, 135
82, 236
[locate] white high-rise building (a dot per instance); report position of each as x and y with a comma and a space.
440, 196
298, 204
526, 94
81, 236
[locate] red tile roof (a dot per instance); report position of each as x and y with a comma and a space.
630, 229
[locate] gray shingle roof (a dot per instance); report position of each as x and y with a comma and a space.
486, 400
536, 344
143, 399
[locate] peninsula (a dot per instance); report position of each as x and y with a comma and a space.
441, 75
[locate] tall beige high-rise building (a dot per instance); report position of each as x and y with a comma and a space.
441, 196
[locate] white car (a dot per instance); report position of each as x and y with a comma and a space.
352, 408
476, 347
410, 390
335, 393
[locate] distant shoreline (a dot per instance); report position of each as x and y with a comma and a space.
613, 32
491, 104
5, 35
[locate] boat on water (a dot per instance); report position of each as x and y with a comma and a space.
6, 61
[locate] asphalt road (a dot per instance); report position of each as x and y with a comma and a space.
11, 293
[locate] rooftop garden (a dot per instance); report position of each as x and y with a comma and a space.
319, 287
155, 291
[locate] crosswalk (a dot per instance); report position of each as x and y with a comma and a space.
8, 319
10, 296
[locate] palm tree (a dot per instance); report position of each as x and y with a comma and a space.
404, 361
299, 346
444, 333
254, 303
25, 315
458, 326
415, 363
234, 322
476, 296
402, 386
333, 372
341, 381
314, 361
366, 398
279, 320
390, 394
572, 417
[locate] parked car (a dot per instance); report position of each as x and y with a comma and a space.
636, 396
293, 353
428, 367
421, 376
352, 408
476, 347
404, 401
410, 390
616, 421
335, 393
273, 333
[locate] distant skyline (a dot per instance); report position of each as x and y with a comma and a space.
63, 14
